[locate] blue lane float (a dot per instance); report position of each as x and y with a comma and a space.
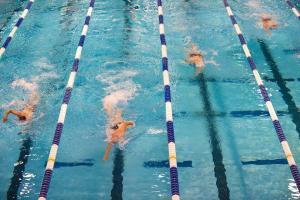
294, 9
64, 106
285, 146
169, 113
15, 28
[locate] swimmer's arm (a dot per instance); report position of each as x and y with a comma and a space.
107, 150
17, 113
4, 119
14, 112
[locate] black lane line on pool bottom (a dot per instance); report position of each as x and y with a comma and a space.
274, 80
71, 164
219, 168
266, 162
127, 29
12, 192
117, 190
165, 164
238, 113
241, 80
284, 90
292, 51
117, 179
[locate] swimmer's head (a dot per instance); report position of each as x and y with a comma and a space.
123, 124
116, 126
195, 55
266, 19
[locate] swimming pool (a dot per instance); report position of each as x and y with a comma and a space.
226, 144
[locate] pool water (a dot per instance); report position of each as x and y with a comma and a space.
226, 145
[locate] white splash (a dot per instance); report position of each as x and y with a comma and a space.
153, 131
294, 190
45, 76
112, 76
118, 98
25, 85
120, 89
43, 63
253, 4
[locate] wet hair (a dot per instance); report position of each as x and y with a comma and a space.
195, 54
266, 18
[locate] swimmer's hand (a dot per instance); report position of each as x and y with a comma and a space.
4, 119
130, 123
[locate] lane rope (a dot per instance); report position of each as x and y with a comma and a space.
294, 9
265, 95
15, 28
64, 106
169, 113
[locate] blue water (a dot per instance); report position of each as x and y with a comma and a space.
225, 140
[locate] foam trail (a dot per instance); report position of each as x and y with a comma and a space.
31, 88
24, 84
45, 76
120, 90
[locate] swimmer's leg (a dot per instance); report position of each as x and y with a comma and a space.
107, 151
14, 112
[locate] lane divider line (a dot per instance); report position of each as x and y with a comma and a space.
64, 107
265, 95
294, 9
15, 28
169, 113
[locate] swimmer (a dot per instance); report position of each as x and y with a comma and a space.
195, 57
27, 112
117, 134
268, 23
117, 125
